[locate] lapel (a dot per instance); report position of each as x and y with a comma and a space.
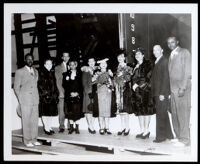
63, 69
27, 73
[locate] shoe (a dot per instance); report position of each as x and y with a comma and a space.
37, 143
179, 144
71, 129
121, 132
145, 136
126, 133
139, 135
91, 131
47, 132
52, 131
101, 131
61, 130
174, 140
158, 140
107, 131
29, 145
77, 129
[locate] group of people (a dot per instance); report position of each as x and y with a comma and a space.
143, 89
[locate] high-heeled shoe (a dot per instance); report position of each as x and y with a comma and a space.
107, 131
146, 136
47, 132
139, 135
52, 131
121, 132
91, 131
126, 133
101, 131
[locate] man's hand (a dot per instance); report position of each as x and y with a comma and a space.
134, 86
181, 92
161, 97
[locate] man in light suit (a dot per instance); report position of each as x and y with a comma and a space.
180, 83
160, 86
25, 87
59, 70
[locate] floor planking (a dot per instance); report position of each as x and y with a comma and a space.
129, 143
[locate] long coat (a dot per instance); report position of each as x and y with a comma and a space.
73, 105
160, 85
142, 98
180, 77
48, 93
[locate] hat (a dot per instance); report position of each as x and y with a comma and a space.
103, 60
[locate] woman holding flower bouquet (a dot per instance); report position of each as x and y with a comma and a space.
123, 91
104, 97
143, 101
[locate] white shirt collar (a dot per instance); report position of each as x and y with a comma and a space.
30, 69
157, 59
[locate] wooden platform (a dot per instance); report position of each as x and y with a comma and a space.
111, 142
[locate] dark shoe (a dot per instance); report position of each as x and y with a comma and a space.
52, 131
61, 130
121, 132
91, 131
146, 136
71, 129
47, 132
139, 135
126, 133
101, 131
77, 129
158, 140
107, 131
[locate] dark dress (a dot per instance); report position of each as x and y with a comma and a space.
142, 98
123, 89
73, 105
161, 86
87, 89
48, 93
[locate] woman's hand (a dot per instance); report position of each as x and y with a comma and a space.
135, 86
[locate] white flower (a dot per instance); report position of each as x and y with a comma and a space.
67, 77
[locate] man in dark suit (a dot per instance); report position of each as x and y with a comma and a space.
59, 70
25, 87
161, 91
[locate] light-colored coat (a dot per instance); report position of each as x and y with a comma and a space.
25, 87
180, 70
59, 70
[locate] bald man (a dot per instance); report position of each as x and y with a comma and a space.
161, 91
180, 83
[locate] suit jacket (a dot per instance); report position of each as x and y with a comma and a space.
180, 70
25, 87
59, 70
160, 84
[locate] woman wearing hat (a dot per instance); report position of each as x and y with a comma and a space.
104, 97
87, 73
143, 102
122, 82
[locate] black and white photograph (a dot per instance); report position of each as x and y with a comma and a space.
100, 82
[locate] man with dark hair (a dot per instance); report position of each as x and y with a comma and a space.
25, 87
59, 70
180, 83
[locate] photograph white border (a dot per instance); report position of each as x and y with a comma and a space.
11, 8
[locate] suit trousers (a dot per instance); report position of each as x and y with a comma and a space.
30, 116
163, 127
61, 113
181, 108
